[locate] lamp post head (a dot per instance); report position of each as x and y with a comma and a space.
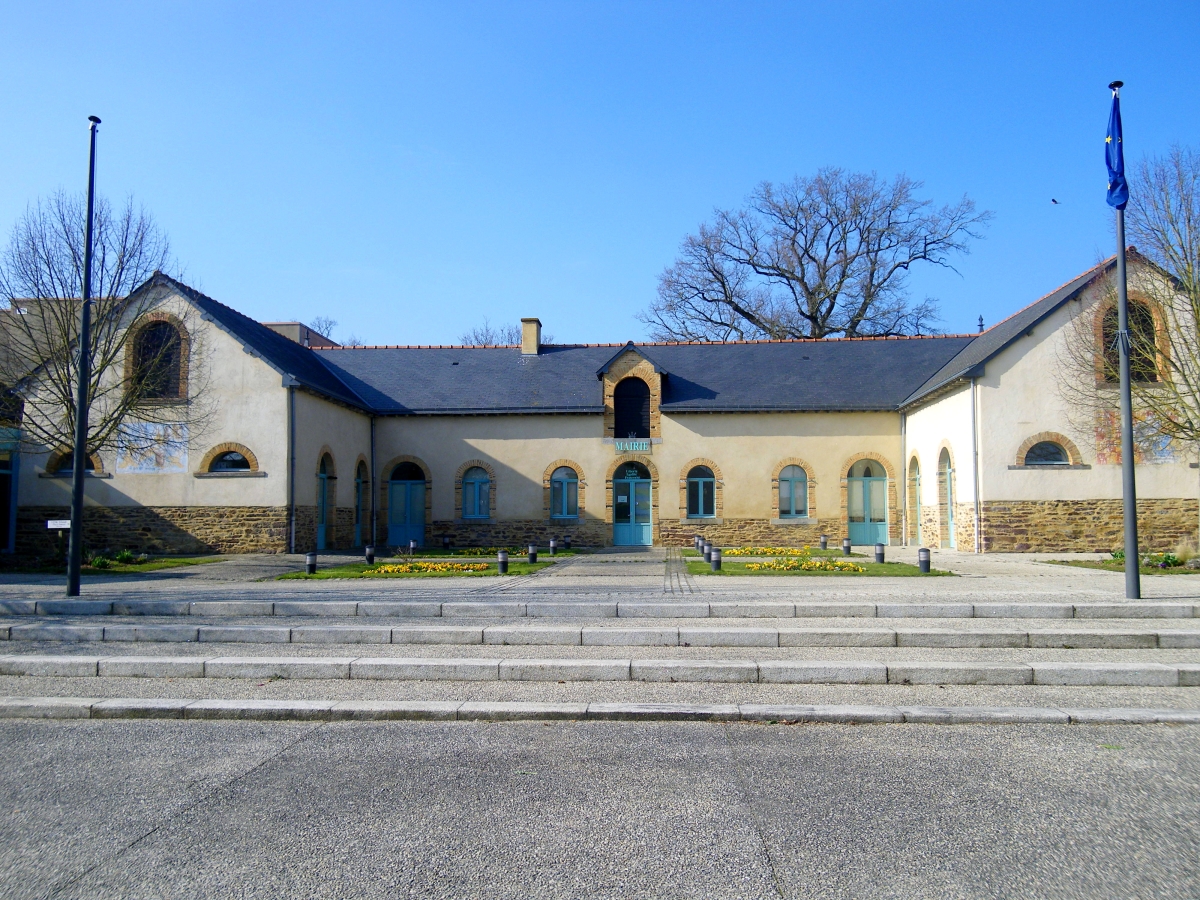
1115, 86
95, 120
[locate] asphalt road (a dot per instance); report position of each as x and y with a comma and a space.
409, 809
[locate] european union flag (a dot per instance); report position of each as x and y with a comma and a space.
1114, 158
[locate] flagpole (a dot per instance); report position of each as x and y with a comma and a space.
1133, 579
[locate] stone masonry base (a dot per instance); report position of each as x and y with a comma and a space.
1016, 526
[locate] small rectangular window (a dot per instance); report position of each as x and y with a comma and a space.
701, 494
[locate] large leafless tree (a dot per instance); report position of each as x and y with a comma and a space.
821, 256
41, 279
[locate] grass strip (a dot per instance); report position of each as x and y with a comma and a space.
362, 570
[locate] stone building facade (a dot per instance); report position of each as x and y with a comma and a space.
951, 441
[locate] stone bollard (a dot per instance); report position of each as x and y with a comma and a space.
716, 559
533, 553
567, 542
445, 542
553, 546
706, 549
845, 546
310, 564
879, 553
369, 552
824, 542
502, 562
923, 560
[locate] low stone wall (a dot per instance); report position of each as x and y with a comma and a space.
517, 533
1016, 526
748, 533
159, 529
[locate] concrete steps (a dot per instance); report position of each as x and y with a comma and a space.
564, 609
1122, 673
559, 633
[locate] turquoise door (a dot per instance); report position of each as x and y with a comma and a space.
867, 504
631, 507
322, 506
406, 513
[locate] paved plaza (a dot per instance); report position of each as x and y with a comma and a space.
608, 727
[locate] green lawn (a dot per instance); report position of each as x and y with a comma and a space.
1118, 565
359, 570
889, 569
151, 565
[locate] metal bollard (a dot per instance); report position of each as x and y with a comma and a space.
502, 562
845, 546
824, 542
533, 553
310, 564
445, 542
879, 553
412, 548
567, 542
699, 542
706, 549
923, 560
553, 546
716, 559
369, 551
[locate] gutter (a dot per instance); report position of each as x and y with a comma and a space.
291, 477
975, 469
374, 491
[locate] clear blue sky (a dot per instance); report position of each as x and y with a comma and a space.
410, 168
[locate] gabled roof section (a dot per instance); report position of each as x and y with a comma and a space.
282, 354
629, 347
969, 362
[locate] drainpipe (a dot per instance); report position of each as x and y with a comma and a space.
373, 488
975, 469
904, 479
291, 467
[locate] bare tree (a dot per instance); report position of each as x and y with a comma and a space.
489, 335
323, 325
819, 257
41, 276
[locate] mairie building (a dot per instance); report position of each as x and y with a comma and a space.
958, 441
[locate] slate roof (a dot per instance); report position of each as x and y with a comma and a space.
1000, 335
860, 374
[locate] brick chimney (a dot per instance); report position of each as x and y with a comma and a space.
531, 337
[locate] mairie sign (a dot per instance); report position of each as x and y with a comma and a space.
632, 446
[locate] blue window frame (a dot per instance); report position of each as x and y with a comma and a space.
476, 494
564, 493
701, 493
793, 493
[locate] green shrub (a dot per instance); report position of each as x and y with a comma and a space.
100, 562
124, 557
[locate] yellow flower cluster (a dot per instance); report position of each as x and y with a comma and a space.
807, 564
766, 551
409, 568
485, 551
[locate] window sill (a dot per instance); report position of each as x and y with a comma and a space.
564, 518
714, 520
229, 474
794, 520
472, 520
66, 476
1048, 468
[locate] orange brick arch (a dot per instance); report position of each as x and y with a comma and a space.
894, 516
458, 477
226, 447
570, 464
654, 486
385, 478
812, 484
719, 486
1074, 457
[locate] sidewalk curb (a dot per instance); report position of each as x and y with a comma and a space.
463, 711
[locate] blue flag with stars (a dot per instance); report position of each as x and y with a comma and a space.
1114, 158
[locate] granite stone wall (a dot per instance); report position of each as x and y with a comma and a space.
749, 533
1083, 525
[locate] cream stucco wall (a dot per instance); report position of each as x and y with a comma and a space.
326, 427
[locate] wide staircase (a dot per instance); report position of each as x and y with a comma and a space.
609, 636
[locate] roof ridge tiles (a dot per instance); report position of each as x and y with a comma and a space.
867, 337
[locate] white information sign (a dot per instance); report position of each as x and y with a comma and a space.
58, 523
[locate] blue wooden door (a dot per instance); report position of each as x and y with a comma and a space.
406, 513
867, 510
322, 509
631, 513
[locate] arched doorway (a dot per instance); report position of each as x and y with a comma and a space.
631, 506
866, 502
946, 498
914, 499
324, 473
361, 487
406, 505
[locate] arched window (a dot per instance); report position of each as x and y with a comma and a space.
476, 488
324, 501
158, 362
229, 461
408, 471
701, 493
1143, 351
65, 464
360, 502
631, 406
1047, 453
793, 493
866, 468
564, 493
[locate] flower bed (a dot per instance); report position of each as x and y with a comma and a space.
806, 564
411, 567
